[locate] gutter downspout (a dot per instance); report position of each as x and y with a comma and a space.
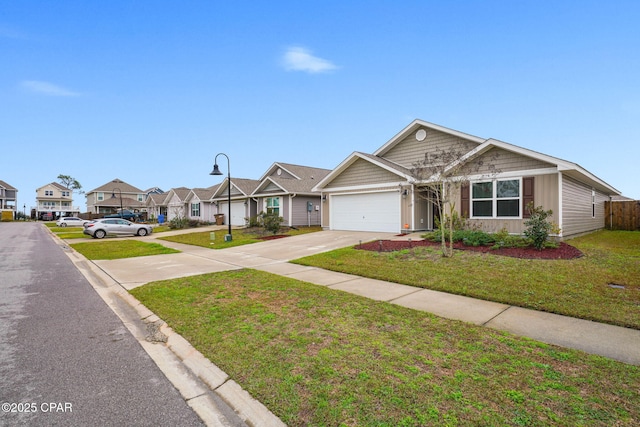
291, 197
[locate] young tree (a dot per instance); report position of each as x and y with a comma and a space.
442, 173
70, 182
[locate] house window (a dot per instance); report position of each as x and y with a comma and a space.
496, 199
593, 203
195, 209
141, 197
273, 205
100, 196
65, 194
48, 192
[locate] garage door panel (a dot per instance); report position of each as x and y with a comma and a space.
366, 212
237, 212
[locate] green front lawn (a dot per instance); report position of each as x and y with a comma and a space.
67, 233
316, 356
239, 237
116, 249
578, 287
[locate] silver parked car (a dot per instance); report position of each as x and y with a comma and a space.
113, 226
71, 221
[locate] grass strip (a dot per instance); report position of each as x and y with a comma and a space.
315, 356
239, 237
117, 249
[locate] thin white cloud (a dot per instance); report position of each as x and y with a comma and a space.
46, 88
301, 59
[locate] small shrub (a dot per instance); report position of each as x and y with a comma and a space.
178, 223
271, 222
538, 226
473, 237
254, 221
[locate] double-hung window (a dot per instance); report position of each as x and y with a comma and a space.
195, 209
273, 205
496, 199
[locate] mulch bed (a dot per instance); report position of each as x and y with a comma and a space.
564, 251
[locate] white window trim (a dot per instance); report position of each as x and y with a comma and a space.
279, 204
494, 199
193, 208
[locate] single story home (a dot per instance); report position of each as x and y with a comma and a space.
242, 205
384, 191
287, 190
199, 204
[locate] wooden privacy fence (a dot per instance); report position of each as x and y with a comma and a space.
624, 215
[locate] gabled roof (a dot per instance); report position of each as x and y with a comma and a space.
564, 166
401, 171
243, 185
157, 199
304, 178
6, 186
180, 192
298, 171
119, 184
154, 190
568, 168
203, 193
414, 126
56, 185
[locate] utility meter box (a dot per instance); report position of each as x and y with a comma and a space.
309, 206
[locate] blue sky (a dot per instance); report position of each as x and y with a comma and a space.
149, 92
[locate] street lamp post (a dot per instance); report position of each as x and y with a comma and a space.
216, 171
113, 196
24, 211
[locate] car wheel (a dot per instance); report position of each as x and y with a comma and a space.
64, 224
99, 234
142, 232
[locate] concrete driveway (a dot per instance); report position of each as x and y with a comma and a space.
193, 260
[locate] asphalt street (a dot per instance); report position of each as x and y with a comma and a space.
65, 357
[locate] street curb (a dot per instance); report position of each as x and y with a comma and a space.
199, 368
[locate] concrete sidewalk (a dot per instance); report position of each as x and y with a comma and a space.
618, 343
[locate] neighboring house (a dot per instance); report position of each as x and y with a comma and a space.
55, 200
8, 196
116, 194
176, 203
287, 190
156, 205
243, 206
199, 204
379, 192
154, 190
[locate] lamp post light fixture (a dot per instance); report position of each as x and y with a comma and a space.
216, 171
113, 196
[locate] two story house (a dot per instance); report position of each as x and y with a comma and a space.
53, 201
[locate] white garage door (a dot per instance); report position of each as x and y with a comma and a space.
237, 212
366, 212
